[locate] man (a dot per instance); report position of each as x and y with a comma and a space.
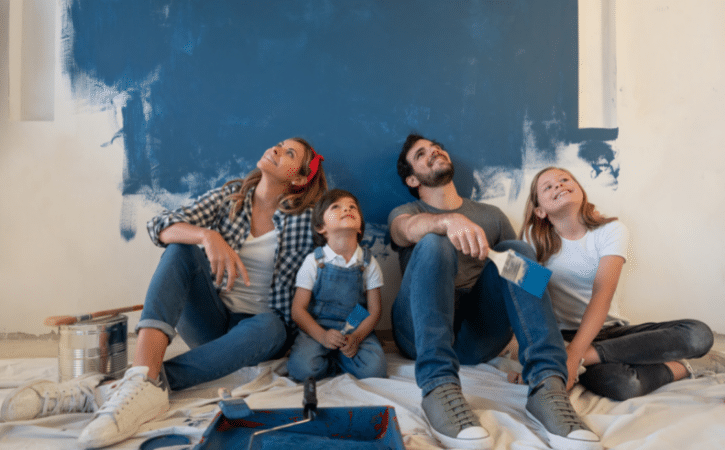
453, 308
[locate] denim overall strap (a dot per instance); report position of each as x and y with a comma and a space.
336, 292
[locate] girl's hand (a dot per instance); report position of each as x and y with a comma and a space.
223, 259
333, 339
352, 344
573, 363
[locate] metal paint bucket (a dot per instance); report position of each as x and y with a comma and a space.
97, 345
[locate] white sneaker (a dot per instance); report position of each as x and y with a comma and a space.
43, 398
134, 401
712, 363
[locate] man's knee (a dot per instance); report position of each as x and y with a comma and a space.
435, 246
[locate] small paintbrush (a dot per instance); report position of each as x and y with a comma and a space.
356, 316
521, 271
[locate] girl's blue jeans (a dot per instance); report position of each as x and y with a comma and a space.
441, 328
182, 297
633, 356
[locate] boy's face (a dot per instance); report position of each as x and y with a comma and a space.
342, 215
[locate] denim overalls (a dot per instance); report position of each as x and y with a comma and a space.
336, 292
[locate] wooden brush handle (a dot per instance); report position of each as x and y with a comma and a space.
54, 321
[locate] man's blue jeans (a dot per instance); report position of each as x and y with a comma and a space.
182, 296
439, 335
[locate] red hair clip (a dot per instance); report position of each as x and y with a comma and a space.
314, 165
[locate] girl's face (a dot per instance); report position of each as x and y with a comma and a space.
282, 162
343, 214
556, 191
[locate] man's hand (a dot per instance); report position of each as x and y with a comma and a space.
466, 236
223, 259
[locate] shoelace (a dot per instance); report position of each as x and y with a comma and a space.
75, 399
123, 393
561, 406
457, 407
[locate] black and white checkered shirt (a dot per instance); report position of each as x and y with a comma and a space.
294, 237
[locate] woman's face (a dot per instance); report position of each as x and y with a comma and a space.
282, 162
556, 189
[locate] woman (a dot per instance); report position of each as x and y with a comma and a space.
230, 302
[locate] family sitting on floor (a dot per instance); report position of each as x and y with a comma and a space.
273, 263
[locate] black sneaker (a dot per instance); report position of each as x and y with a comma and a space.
452, 421
549, 405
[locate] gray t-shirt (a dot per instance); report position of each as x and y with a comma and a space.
493, 221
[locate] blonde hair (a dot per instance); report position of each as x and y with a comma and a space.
295, 200
541, 233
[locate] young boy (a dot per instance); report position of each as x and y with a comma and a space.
332, 280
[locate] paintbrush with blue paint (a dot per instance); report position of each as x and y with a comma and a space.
521, 271
354, 319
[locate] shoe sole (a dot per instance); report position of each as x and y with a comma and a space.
469, 444
563, 443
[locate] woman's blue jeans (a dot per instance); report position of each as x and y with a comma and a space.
633, 356
441, 328
182, 296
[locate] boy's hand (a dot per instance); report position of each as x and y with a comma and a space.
333, 339
352, 344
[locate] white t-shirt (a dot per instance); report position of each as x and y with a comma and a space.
574, 268
307, 275
257, 255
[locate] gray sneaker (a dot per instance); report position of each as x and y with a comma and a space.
452, 421
549, 405
710, 364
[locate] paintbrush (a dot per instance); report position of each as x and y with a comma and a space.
354, 319
521, 271
70, 320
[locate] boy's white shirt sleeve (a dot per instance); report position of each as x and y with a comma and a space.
307, 275
373, 275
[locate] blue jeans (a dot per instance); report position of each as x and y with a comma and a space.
309, 358
633, 356
439, 335
182, 296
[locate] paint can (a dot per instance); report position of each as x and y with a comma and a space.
97, 345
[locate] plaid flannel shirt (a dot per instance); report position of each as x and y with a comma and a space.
294, 237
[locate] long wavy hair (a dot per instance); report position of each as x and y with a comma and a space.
295, 200
541, 232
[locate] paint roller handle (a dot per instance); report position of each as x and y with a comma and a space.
70, 320
309, 399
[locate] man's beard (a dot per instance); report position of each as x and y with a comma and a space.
435, 179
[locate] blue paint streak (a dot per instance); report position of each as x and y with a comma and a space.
210, 85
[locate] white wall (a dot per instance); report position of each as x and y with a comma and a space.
61, 250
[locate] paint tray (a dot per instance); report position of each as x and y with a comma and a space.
344, 428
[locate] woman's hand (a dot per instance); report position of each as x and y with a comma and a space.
223, 259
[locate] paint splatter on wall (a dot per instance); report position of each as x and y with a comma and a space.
204, 87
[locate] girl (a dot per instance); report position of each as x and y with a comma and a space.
333, 279
585, 252
230, 301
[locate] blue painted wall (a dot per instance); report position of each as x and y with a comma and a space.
210, 84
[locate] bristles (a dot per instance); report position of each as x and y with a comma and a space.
514, 269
